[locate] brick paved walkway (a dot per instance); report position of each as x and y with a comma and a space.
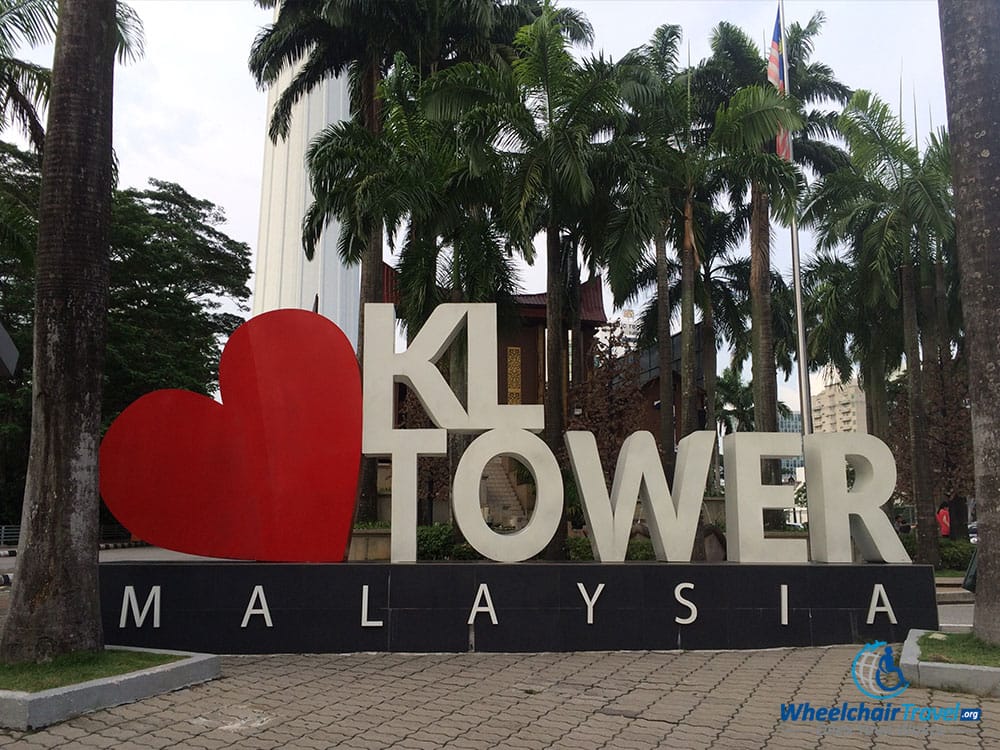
721, 700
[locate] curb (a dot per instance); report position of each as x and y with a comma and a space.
955, 597
963, 678
121, 545
23, 711
6, 579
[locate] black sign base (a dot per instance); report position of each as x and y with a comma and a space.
256, 608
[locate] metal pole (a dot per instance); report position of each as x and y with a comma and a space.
805, 397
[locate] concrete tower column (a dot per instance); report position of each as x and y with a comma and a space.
284, 278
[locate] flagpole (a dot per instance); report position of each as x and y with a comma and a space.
805, 397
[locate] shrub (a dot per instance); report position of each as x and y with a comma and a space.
465, 551
640, 548
435, 542
909, 541
578, 548
956, 554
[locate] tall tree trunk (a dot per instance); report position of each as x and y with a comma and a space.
765, 381
458, 378
923, 497
575, 322
765, 377
371, 291
689, 391
970, 39
710, 362
54, 604
665, 353
554, 357
941, 310
876, 397
689, 395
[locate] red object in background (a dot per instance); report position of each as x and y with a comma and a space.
269, 474
944, 521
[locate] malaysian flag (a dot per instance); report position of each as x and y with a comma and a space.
776, 75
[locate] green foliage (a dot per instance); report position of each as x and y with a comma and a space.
640, 548
365, 525
955, 554
435, 542
578, 548
909, 543
465, 551
177, 290
170, 265
438, 542
70, 669
958, 648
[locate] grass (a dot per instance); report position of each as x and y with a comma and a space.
958, 648
949, 574
70, 669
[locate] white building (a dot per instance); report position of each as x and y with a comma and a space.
840, 408
284, 278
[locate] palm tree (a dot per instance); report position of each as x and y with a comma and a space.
891, 207
735, 63
656, 108
54, 605
694, 158
970, 40
547, 108
719, 294
24, 86
322, 39
734, 403
550, 109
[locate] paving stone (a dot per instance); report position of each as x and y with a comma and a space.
587, 701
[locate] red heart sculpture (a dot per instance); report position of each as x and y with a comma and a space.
268, 474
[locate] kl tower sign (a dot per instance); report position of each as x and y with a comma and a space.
270, 475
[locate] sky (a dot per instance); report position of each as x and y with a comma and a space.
190, 113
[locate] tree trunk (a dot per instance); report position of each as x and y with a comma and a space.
710, 362
554, 358
689, 403
575, 323
54, 603
665, 353
970, 39
923, 498
371, 291
941, 310
876, 397
689, 391
765, 381
458, 378
765, 378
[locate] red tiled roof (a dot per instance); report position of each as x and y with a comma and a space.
591, 302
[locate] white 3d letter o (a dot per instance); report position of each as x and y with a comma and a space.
536, 456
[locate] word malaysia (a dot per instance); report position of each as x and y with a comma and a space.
234, 607
838, 514
481, 606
